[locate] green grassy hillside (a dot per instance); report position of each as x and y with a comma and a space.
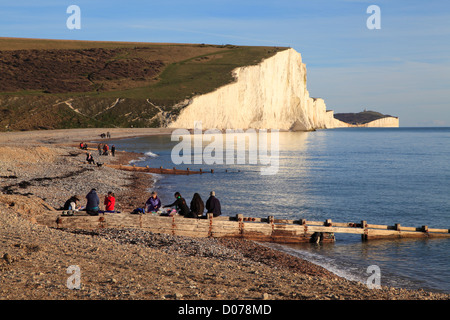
49, 84
360, 117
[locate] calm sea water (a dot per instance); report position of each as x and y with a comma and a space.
382, 175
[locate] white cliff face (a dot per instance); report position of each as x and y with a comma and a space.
388, 122
270, 95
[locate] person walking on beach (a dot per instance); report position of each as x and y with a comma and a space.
153, 203
110, 201
113, 150
92, 203
213, 205
99, 148
197, 206
180, 205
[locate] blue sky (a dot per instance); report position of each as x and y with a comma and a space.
402, 69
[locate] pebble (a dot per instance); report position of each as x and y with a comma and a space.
7, 258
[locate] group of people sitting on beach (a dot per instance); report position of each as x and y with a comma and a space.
152, 205
195, 210
92, 205
104, 150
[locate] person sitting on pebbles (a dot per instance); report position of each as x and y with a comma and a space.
72, 204
153, 203
110, 201
89, 158
93, 202
180, 205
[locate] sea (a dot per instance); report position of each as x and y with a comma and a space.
381, 175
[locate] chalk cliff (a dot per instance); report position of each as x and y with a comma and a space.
270, 95
388, 122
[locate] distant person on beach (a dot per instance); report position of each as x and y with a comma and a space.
92, 203
113, 150
105, 150
99, 148
180, 205
89, 158
153, 203
72, 204
110, 201
197, 206
213, 205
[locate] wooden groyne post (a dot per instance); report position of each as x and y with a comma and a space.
269, 229
159, 170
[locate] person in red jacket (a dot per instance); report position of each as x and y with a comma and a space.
110, 202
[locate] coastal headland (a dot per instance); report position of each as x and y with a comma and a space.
41, 169
62, 84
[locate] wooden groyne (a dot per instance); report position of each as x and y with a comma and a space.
159, 170
267, 229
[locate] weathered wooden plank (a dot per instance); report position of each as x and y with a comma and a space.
87, 222
191, 228
284, 221
438, 230
314, 223
386, 234
437, 235
221, 234
335, 229
121, 221
377, 226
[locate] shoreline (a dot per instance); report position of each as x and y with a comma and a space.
186, 268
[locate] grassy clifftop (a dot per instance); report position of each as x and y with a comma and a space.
360, 117
47, 84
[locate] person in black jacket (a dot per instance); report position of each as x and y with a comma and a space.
197, 206
89, 158
213, 205
180, 205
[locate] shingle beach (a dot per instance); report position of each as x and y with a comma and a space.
40, 170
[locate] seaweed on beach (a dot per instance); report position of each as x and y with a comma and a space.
10, 189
